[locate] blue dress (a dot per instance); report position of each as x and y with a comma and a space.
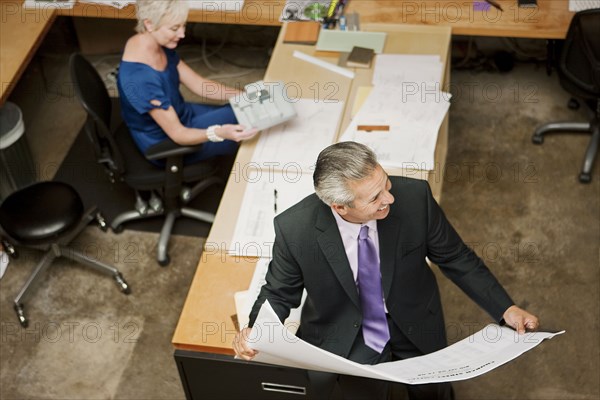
142, 89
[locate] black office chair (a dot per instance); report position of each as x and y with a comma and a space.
122, 160
579, 73
48, 216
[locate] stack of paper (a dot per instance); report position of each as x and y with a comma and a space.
111, 3
48, 4
407, 102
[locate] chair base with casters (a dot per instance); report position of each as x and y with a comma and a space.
47, 216
579, 75
592, 127
155, 208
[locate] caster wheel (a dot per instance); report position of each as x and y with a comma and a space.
537, 139
585, 178
118, 229
101, 222
10, 250
21, 315
122, 284
164, 262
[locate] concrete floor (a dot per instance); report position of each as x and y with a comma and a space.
518, 205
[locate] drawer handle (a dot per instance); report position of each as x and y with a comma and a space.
276, 387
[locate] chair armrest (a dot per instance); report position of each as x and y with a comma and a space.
168, 148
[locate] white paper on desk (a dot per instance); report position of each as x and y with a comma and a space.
299, 140
413, 123
217, 5
254, 233
473, 356
47, 5
407, 69
246, 299
120, 4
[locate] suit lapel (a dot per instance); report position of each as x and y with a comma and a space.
388, 232
330, 243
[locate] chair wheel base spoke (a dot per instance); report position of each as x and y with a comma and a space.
101, 221
21, 315
122, 284
10, 250
164, 261
585, 178
537, 139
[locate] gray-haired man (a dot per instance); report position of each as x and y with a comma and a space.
319, 246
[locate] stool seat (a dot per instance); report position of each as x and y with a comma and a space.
41, 211
47, 216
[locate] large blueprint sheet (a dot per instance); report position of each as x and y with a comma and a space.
473, 356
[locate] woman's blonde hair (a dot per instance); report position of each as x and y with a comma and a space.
156, 10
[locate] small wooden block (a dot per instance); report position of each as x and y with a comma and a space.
369, 128
305, 32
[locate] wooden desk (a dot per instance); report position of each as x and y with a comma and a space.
314, 81
205, 323
253, 12
550, 20
21, 32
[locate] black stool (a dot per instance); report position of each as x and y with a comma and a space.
47, 216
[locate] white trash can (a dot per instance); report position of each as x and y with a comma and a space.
16, 164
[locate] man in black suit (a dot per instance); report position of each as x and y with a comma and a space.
316, 249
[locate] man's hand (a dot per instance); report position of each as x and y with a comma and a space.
240, 345
520, 320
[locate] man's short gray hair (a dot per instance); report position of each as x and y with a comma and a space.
336, 166
155, 10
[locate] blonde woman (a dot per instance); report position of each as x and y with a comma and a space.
150, 73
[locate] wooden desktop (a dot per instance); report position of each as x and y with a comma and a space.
207, 324
549, 20
22, 30
21, 33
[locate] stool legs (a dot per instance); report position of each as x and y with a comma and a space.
39, 268
98, 266
64, 251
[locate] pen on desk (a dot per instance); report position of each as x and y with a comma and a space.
494, 4
275, 201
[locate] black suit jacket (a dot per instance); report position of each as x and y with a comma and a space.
308, 253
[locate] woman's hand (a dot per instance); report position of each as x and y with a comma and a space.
236, 133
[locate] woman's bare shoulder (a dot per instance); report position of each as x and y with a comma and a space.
136, 49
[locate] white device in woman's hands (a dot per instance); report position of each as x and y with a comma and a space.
263, 105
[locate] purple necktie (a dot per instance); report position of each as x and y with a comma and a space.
375, 328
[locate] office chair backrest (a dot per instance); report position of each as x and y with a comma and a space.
93, 96
580, 57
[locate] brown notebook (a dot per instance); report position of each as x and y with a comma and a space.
360, 57
305, 32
